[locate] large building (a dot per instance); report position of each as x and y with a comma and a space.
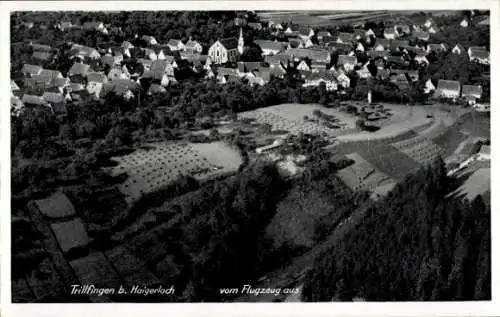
226, 50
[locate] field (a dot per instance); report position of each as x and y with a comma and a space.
290, 118
162, 163
420, 149
362, 175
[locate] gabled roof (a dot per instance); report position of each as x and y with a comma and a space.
148, 38
324, 75
48, 75
31, 69
295, 42
13, 86
174, 42
159, 65
108, 60
435, 47
225, 71
91, 25
155, 88
53, 97
270, 45
375, 54
277, 59
399, 43
42, 56
144, 61
79, 69
33, 100
384, 42
346, 37
389, 30
346, 59
154, 74
120, 86
323, 34
449, 85
191, 44
255, 25
96, 77
41, 47
60, 82
312, 54
471, 90
229, 43
478, 52
420, 35
359, 32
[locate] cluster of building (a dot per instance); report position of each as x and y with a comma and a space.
120, 67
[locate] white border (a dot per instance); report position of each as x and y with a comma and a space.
238, 309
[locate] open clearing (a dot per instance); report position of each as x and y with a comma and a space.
478, 183
163, 163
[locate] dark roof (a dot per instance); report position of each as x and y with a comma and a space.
346, 59
479, 52
448, 84
346, 37
229, 43
270, 45
97, 77
41, 47
470, 90
31, 69
79, 69
384, 42
313, 54
34, 100
325, 75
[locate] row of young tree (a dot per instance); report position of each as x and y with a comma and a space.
416, 244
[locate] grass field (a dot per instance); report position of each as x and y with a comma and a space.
163, 163
420, 149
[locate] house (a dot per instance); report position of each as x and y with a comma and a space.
323, 34
53, 97
225, 74
318, 66
82, 52
279, 60
464, 23
344, 37
316, 78
163, 66
390, 33
112, 60
121, 87
33, 100
94, 26
156, 89
119, 52
260, 77
382, 45
150, 53
127, 45
429, 22
158, 76
400, 80
95, 82
295, 43
64, 25
403, 29
412, 75
79, 69
305, 32
421, 35
292, 30
397, 61
347, 62
479, 54
458, 49
175, 45
16, 106
247, 67
30, 70
432, 30
317, 55
420, 58
377, 54
472, 93
146, 63
270, 47
224, 50
449, 89
42, 56
150, 40
359, 34
193, 47
267, 149
40, 47
485, 21
360, 47
47, 76
398, 45
118, 73
436, 48
342, 79
429, 87
255, 25
364, 72
13, 87
303, 66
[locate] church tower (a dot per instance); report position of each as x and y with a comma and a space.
241, 42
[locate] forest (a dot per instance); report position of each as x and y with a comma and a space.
413, 245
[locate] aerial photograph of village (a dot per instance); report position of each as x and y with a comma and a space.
250, 156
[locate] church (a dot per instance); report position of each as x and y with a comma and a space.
226, 50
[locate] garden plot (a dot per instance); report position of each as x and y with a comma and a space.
55, 206
96, 270
70, 234
362, 175
420, 149
163, 163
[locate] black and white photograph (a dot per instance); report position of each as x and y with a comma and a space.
250, 156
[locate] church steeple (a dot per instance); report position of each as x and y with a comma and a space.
241, 42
